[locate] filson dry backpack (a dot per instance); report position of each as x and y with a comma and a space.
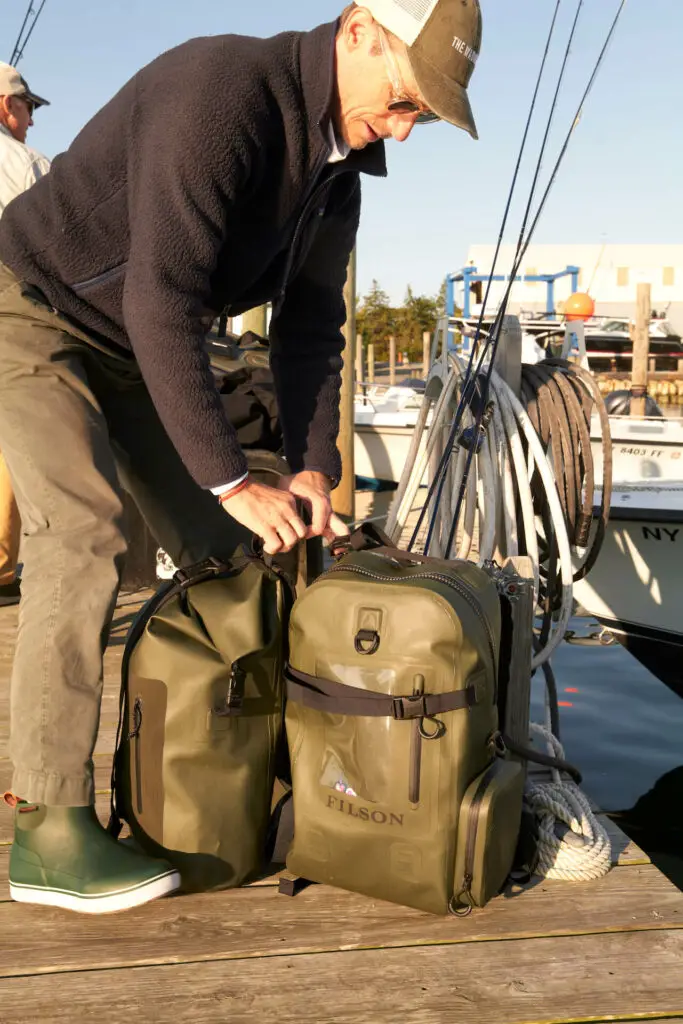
401, 789
201, 721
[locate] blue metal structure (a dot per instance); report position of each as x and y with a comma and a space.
469, 276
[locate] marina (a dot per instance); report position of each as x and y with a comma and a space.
429, 770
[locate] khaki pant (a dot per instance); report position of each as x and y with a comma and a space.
76, 425
10, 527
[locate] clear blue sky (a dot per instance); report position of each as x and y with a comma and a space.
621, 182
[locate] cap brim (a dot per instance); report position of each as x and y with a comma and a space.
442, 95
37, 101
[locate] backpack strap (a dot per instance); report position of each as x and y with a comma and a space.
339, 699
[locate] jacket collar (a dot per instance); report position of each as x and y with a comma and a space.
317, 66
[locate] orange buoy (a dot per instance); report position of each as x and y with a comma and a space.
579, 306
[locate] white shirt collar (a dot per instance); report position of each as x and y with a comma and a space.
338, 148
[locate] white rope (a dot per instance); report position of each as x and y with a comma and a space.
585, 851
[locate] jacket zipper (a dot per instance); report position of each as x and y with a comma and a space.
99, 278
459, 587
317, 189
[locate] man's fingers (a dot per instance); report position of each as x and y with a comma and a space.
299, 527
271, 541
320, 513
338, 526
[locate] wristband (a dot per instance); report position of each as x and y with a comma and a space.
235, 490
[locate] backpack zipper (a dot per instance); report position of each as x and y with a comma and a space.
416, 746
448, 581
472, 829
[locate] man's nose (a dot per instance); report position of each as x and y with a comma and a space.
402, 125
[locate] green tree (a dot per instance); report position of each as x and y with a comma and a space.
375, 320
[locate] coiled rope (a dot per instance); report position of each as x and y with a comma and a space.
584, 852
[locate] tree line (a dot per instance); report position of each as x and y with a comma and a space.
377, 320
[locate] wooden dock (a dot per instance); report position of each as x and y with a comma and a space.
610, 950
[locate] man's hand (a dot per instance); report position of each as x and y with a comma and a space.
314, 490
268, 512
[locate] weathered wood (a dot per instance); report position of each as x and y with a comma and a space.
360, 366
392, 359
509, 353
519, 690
343, 496
537, 980
641, 350
426, 353
371, 363
624, 850
259, 922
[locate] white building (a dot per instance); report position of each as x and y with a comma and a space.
610, 273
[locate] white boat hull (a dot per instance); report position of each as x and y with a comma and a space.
636, 585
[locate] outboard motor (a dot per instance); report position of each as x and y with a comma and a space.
618, 403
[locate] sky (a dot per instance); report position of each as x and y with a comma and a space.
621, 180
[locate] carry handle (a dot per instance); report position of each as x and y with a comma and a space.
369, 537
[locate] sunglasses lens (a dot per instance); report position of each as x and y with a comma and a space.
403, 107
429, 118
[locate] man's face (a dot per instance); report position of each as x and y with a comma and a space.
18, 115
366, 89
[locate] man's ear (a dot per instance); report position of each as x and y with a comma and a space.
358, 31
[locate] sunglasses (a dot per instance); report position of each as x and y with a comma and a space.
400, 102
29, 103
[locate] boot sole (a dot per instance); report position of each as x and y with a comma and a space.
122, 899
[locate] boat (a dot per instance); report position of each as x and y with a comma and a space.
635, 589
609, 346
648, 448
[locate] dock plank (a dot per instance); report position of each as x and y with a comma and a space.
583, 978
259, 922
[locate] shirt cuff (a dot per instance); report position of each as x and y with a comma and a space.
225, 488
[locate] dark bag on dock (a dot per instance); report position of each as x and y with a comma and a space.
400, 788
201, 721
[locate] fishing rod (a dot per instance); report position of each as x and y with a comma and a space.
498, 323
497, 326
20, 46
440, 477
494, 337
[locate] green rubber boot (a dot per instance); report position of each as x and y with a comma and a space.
62, 857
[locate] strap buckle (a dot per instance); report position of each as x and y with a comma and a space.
409, 707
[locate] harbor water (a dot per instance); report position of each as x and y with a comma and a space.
622, 728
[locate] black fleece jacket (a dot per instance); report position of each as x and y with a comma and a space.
204, 185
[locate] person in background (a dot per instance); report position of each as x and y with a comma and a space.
20, 167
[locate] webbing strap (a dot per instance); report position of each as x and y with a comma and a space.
340, 699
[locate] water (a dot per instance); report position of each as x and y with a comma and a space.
622, 728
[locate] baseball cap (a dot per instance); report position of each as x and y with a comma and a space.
12, 84
443, 39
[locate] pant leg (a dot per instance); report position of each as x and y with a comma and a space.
10, 526
55, 440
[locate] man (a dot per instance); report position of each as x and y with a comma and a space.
20, 167
223, 175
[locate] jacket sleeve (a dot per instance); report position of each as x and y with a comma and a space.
184, 180
307, 344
